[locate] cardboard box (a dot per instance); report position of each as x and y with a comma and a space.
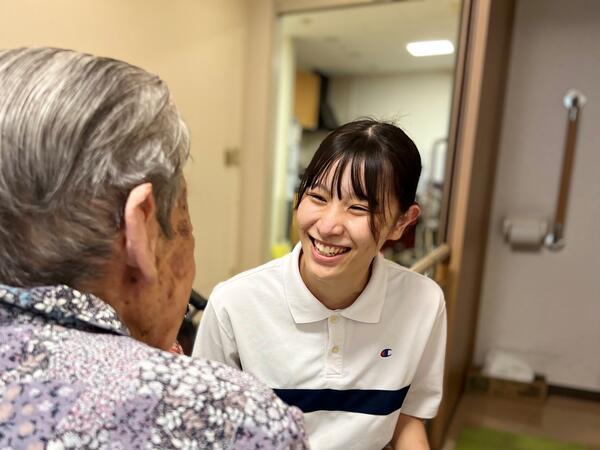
536, 391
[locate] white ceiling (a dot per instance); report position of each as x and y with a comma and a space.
372, 39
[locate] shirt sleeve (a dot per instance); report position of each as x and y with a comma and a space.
215, 339
425, 393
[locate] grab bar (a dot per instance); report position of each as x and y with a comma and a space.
573, 101
431, 259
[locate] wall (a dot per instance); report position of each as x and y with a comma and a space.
545, 306
417, 102
256, 151
198, 48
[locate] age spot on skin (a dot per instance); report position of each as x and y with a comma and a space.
184, 228
179, 266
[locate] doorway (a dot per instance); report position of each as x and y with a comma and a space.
339, 64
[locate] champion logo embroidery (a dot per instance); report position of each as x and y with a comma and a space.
386, 353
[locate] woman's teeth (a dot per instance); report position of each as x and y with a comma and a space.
326, 250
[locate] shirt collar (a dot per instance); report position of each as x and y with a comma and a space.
65, 305
306, 308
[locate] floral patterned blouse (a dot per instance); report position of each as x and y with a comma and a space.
71, 377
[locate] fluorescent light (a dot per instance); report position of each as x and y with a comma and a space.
430, 48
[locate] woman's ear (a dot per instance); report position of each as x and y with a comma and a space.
141, 231
408, 218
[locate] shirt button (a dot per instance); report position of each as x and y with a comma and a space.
333, 319
335, 349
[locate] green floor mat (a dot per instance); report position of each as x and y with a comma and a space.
486, 439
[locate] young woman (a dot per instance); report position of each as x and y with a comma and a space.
354, 340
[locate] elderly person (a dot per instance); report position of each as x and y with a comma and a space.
96, 268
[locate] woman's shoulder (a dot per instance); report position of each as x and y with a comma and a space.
402, 279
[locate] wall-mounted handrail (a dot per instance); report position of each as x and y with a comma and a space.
431, 259
573, 101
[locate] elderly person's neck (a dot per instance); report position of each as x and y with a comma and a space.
128, 294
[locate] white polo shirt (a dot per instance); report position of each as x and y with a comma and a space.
352, 371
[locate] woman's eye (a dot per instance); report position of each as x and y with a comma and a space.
360, 208
317, 197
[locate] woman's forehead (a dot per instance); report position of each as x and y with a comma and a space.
337, 178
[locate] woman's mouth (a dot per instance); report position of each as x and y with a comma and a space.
328, 250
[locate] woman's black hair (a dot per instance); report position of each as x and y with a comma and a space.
384, 163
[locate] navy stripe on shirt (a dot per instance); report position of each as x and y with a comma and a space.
367, 401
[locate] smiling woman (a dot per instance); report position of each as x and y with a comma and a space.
354, 340
357, 193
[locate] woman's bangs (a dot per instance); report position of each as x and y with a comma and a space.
368, 181
320, 175
378, 179
358, 179
330, 176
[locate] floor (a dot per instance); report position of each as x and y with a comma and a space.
561, 418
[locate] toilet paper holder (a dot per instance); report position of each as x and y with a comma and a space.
528, 233
525, 233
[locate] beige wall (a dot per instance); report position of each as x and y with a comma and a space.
544, 305
199, 48
257, 136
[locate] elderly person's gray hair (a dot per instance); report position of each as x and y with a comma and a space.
77, 133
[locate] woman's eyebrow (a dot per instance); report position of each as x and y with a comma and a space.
349, 195
354, 198
318, 185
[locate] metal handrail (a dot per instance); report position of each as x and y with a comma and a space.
431, 259
574, 102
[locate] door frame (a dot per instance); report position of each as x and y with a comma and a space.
475, 124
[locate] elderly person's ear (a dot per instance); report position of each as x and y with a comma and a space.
141, 232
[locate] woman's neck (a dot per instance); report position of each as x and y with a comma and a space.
335, 293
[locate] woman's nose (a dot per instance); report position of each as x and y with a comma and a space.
331, 222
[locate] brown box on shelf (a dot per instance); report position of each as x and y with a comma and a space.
536, 391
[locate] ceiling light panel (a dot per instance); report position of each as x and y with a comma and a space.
430, 48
